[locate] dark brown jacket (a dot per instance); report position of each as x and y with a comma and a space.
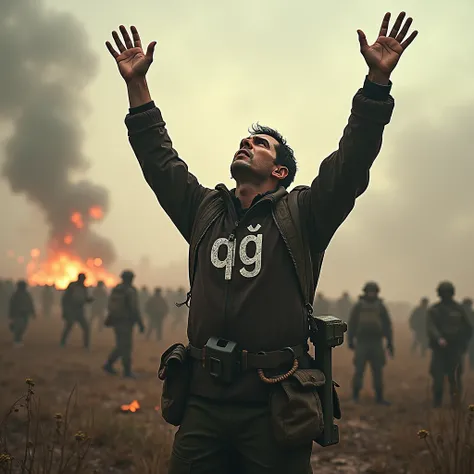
245, 287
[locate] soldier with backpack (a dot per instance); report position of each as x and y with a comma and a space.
21, 309
73, 302
254, 261
123, 315
369, 325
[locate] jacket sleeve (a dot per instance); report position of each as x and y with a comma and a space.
344, 175
177, 190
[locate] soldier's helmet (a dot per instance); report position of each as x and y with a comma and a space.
81, 277
158, 289
445, 288
100, 283
371, 286
127, 275
21, 284
467, 302
425, 301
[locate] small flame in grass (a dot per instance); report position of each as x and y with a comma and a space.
157, 408
133, 407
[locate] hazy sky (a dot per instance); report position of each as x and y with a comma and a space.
220, 66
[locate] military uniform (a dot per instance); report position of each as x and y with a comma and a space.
73, 303
369, 325
418, 326
21, 309
123, 314
467, 305
157, 310
449, 333
99, 305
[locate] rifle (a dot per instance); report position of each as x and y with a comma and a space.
327, 332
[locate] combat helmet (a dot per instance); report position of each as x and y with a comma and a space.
371, 286
127, 275
445, 288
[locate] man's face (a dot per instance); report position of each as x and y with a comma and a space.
372, 295
254, 162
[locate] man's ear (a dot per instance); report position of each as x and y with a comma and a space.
281, 172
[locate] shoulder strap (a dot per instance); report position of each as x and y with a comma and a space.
287, 215
211, 207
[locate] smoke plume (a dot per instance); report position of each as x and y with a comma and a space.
46, 63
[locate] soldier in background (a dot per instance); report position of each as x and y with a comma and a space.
123, 315
73, 302
369, 324
21, 309
467, 305
156, 310
417, 324
321, 305
99, 305
343, 307
449, 333
47, 301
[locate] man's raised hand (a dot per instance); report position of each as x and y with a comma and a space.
132, 62
384, 54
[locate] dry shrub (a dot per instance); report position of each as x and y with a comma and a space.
33, 441
450, 440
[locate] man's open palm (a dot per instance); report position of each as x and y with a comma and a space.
132, 62
385, 53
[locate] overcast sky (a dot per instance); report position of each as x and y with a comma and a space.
219, 67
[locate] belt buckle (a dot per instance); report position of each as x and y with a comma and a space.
221, 359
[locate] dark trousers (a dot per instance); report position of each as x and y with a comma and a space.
123, 349
232, 438
157, 326
374, 355
69, 324
18, 327
446, 364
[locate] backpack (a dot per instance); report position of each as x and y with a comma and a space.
118, 304
286, 213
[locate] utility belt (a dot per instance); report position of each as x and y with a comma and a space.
224, 360
303, 401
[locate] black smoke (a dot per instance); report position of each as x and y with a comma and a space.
45, 65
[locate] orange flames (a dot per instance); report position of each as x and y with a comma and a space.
133, 407
60, 266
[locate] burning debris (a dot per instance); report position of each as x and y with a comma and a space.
132, 408
45, 105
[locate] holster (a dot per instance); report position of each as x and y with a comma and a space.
297, 407
175, 371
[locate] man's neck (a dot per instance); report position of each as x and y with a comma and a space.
246, 193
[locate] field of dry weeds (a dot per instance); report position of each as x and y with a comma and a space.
99, 437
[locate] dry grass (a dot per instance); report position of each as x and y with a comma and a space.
373, 439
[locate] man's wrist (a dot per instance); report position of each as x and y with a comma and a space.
375, 91
138, 92
378, 77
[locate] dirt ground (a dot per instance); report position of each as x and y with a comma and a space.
373, 439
